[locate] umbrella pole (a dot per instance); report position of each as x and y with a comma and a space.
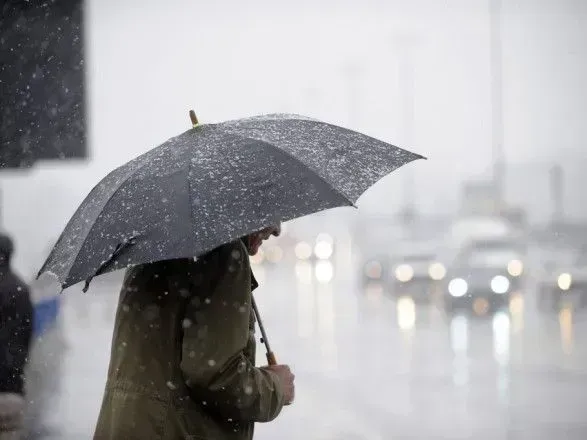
271, 360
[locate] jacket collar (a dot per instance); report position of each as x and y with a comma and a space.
254, 283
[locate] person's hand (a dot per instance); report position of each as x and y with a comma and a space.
286, 379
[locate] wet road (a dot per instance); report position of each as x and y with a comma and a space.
370, 365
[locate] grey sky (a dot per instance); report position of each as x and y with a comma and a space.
151, 61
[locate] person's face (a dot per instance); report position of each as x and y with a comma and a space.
256, 239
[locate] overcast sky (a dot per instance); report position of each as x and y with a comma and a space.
151, 61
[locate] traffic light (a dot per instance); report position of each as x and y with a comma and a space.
42, 82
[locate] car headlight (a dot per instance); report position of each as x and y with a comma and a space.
404, 273
458, 287
323, 249
303, 250
515, 268
500, 284
565, 280
437, 271
373, 270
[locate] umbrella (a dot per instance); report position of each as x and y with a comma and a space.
216, 183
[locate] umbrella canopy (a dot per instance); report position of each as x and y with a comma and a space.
216, 183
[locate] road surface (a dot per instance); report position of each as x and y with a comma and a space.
370, 365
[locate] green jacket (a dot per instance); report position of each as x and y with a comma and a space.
183, 353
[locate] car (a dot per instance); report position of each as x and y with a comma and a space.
484, 275
563, 281
417, 274
375, 269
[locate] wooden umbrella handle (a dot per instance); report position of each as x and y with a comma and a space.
271, 360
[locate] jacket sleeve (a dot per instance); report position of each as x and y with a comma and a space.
216, 332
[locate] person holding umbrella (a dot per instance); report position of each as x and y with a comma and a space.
185, 217
183, 352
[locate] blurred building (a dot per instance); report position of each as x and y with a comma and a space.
41, 82
549, 190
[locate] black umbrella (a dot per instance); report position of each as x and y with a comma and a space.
216, 183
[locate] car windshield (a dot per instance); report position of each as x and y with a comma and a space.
491, 258
420, 258
489, 254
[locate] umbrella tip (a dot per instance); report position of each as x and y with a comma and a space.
194, 118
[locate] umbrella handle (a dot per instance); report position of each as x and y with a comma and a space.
271, 360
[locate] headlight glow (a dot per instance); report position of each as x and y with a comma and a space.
458, 287
258, 257
565, 280
323, 250
437, 271
324, 271
304, 272
515, 268
500, 284
373, 270
404, 273
303, 250
274, 254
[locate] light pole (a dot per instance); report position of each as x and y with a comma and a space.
405, 45
497, 124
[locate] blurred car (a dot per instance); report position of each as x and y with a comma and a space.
484, 275
375, 269
318, 248
564, 281
417, 274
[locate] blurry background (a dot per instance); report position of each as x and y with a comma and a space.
450, 304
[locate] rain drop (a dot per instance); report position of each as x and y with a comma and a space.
186, 323
248, 390
184, 293
171, 385
211, 362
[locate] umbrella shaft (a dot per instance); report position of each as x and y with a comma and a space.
258, 316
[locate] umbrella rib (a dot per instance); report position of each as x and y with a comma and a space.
139, 167
295, 159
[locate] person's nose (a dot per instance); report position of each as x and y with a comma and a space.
277, 231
